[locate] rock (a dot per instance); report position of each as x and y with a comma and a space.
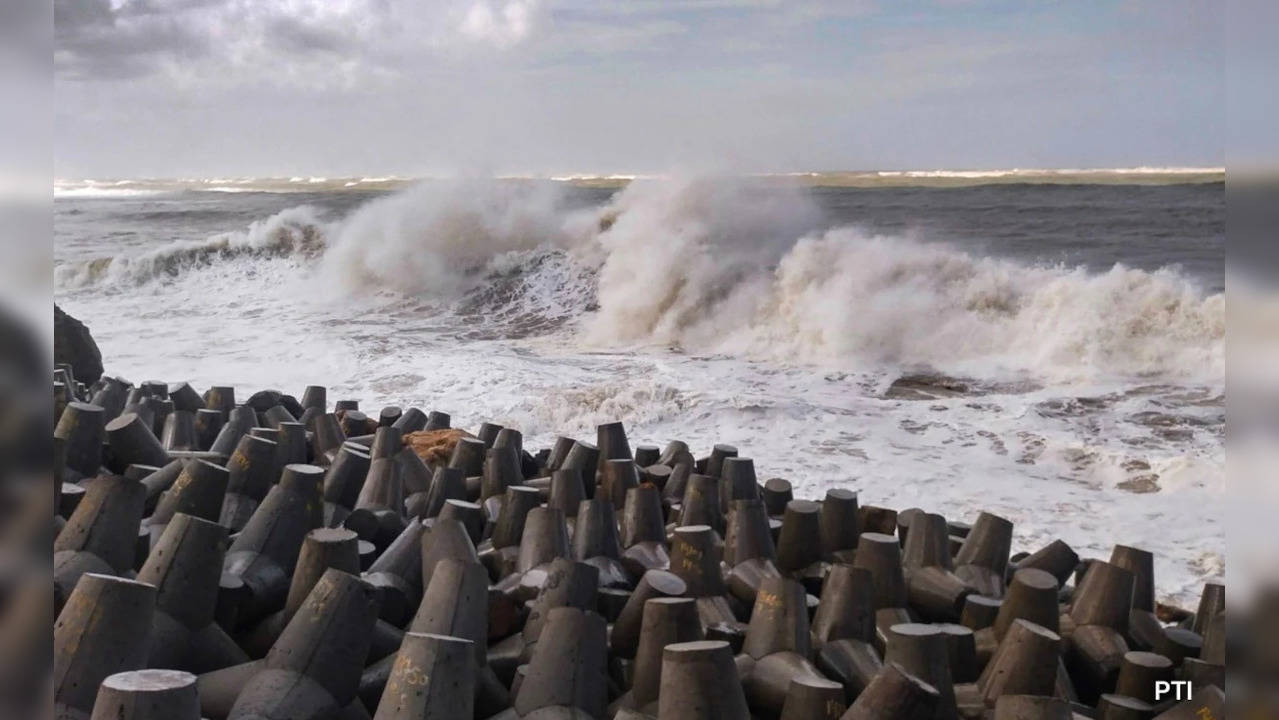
1142, 484
73, 344
925, 386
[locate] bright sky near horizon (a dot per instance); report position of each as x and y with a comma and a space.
200, 88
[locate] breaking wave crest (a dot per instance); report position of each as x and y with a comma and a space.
435, 239
296, 232
713, 265
842, 294
723, 272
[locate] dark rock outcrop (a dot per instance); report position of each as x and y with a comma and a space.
73, 344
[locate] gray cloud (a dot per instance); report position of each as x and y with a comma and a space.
295, 35
216, 40
94, 40
216, 87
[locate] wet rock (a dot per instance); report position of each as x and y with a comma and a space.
1147, 483
925, 386
73, 344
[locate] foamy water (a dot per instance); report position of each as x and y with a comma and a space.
1080, 400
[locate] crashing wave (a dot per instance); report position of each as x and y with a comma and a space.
296, 232
724, 266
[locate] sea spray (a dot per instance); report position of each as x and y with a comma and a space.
710, 268
683, 259
435, 237
845, 296
716, 265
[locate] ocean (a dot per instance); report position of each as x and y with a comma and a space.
1045, 346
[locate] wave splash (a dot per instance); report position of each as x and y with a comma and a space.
729, 274
716, 265
297, 232
435, 239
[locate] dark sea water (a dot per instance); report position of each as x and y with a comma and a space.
1146, 227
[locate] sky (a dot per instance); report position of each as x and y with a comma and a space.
214, 88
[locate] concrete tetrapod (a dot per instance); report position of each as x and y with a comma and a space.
397, 574
82, 427
595, 541
666, 621
250, 474
455, 604
644, 530
185, 566
432, 679
148, 695
100, 536
737, 482
983, 557
846, 608
1056, 558
567, 667
811, 698
617, 477
445, 539
610, 438
799, 544
748, 550
1025, 663
1032, 707
624, 638
1032, 595
932, 589
103, 629
446, 484
265, 552
198, 491
838, 522
894, 694
715, 462
133, 442
378, 513
921, 651
777, 494
239, 421
322, 549
545, 538
779, 620
700, 682
700, 503
343, 481
880, 554
313, 670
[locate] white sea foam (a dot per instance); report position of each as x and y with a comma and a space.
102, 192
711, 268
712, 265
432, 238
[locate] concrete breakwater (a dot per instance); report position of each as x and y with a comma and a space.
223, 554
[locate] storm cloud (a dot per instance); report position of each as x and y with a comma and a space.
282, 87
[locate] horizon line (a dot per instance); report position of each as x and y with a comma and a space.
917, 173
